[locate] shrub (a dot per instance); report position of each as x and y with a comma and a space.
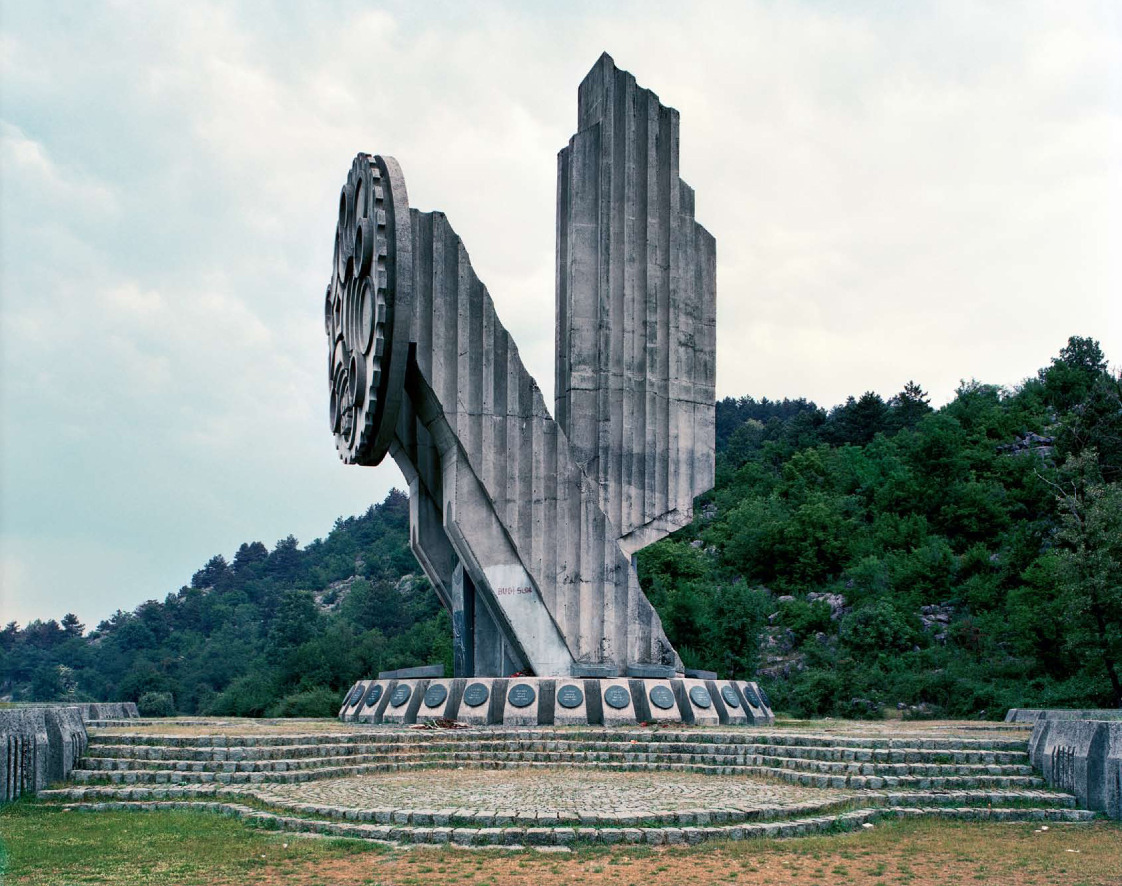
318, 702
156, 704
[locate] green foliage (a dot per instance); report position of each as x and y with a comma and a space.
961, 560
318, 702
877, 628
247, 638
965, 515
156, 704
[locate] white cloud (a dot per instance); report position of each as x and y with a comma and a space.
927, 191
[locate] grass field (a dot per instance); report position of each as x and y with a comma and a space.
47, 846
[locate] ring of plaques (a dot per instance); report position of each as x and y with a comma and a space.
355, 308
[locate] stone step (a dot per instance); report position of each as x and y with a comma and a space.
1043, 797
112, 764
611, 736
813, 779
335, 749
406, 833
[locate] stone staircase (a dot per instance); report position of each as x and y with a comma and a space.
887, 775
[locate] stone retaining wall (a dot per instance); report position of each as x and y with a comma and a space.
565, 701
1032, 715
1083, 757
41, 744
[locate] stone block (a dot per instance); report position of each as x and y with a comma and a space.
728, 701
476, 703
434, 671
617, 703
374, 701
523, 695
695, 702
405, 697
439, 699
1081, 757
570, 703
757, 705
662, 703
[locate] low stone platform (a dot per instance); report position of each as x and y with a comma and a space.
555, 785
562, 701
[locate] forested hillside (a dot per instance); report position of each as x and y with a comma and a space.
281, 632
879, 554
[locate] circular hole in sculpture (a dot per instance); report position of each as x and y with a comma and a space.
358, 380
360, 199
367, 311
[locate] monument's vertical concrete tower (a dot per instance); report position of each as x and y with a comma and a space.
523, 523
636, 311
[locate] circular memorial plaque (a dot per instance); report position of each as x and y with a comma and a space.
435, 695
750, 695
355, 695
617, 697
729, 695
570, 696
400, 696
662, 698
476, 694
521, 695
763, 697
373, 696
699, 695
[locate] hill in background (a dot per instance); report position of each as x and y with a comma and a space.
953, 562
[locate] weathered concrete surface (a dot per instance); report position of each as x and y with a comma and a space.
1083, 757
756, 705
636, 311
1031, 715
539, 701
506, 525
39, 745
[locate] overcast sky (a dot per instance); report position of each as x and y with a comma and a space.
928, 191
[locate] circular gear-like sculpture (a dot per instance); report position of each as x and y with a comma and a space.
368, 309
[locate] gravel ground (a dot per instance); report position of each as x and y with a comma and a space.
548, 791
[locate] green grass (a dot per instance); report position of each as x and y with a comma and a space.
46, 845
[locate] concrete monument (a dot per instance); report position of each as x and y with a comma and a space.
526, 524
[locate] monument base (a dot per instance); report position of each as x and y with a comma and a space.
558, 701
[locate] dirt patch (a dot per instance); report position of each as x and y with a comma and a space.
915, 853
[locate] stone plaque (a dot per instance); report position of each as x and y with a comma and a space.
521, 695
570, 696
662, 698
729, 695
750, 695
617, 697
476, 694
356, 694
435, 695
373, 696
400, 695
699, 695
763, 697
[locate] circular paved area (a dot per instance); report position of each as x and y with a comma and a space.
549, 791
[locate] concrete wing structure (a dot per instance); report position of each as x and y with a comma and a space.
517, 527
636, 311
